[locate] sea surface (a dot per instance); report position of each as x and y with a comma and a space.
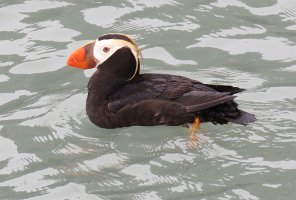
49, 149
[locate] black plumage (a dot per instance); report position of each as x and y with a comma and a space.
119, 96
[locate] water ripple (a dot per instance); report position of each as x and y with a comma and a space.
32, 182
262, 46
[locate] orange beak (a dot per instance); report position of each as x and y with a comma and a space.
83, 57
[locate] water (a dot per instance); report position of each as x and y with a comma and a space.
50, 150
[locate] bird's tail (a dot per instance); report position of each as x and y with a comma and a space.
244, 118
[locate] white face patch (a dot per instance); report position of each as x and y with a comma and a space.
104, 49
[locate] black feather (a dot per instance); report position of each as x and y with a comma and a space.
243, 118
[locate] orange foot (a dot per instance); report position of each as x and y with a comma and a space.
192, 132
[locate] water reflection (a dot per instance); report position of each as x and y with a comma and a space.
159, 53
270, 9
264, 46
32, 182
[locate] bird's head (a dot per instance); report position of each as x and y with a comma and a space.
113, 51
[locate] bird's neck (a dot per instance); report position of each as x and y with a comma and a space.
100, 86
119, 69
113, 73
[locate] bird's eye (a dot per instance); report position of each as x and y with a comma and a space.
106, 49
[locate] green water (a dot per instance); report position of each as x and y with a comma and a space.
50, 150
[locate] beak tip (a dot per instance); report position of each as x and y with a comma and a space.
81, 57
71, 61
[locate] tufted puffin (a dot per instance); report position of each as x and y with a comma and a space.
119, 96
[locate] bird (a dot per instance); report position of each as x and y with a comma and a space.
120, 96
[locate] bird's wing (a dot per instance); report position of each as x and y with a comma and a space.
199, 100
176, 87
163, 99
149, 86
164, 112
153, 112
225, 88
204, 99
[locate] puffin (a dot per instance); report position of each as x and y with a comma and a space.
120, 96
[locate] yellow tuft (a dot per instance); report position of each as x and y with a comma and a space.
133, 47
